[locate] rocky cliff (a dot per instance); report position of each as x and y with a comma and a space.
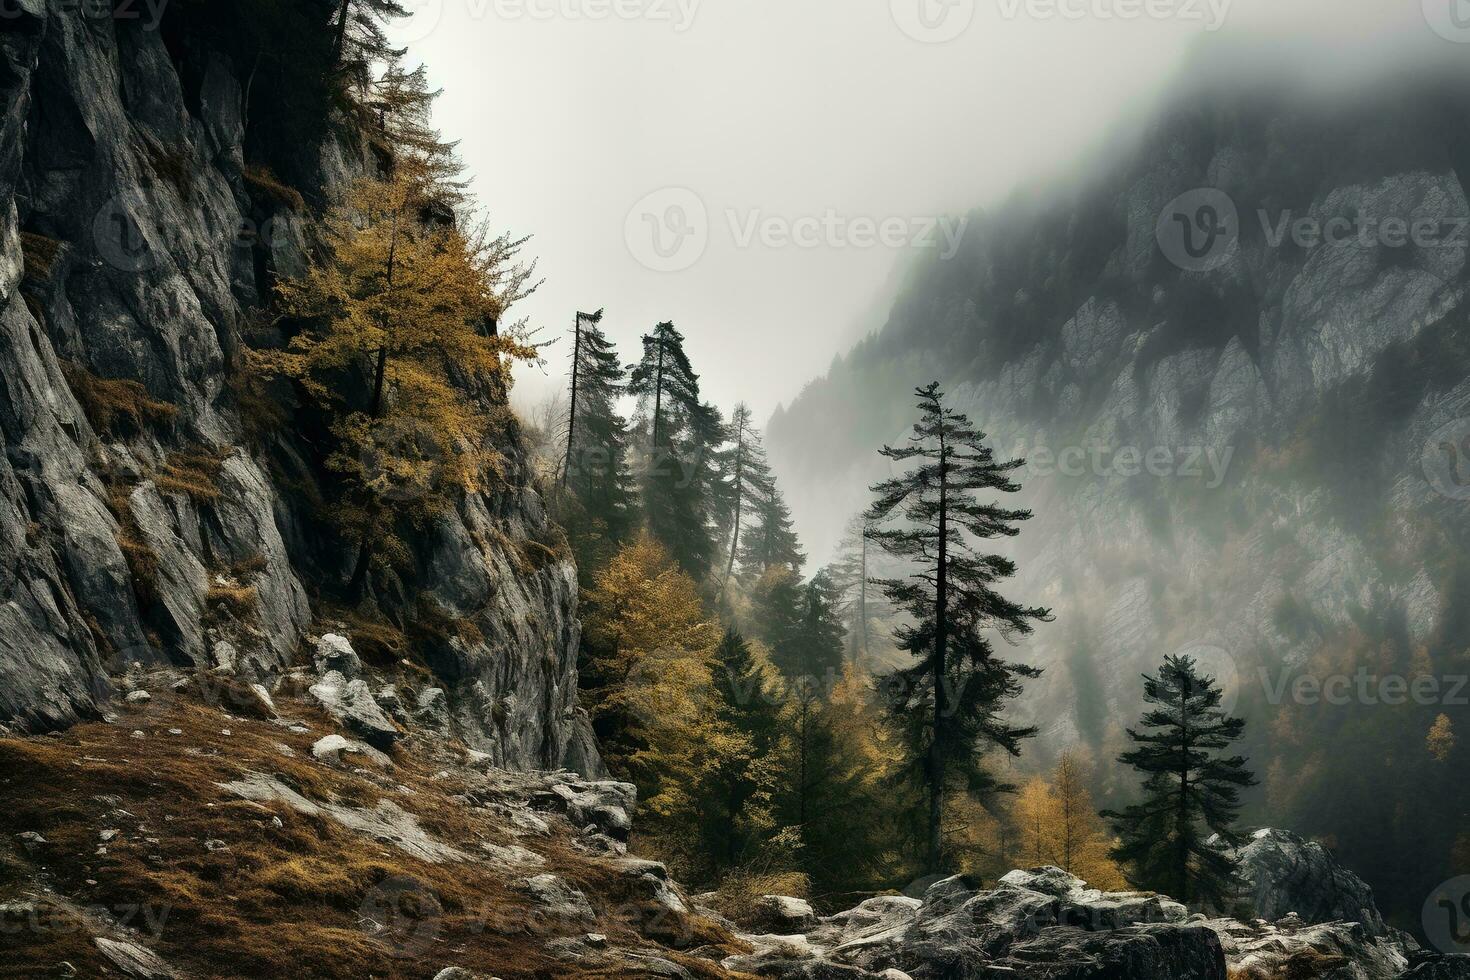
153, 509
1246, 443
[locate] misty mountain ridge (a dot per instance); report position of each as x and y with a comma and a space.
1243, 457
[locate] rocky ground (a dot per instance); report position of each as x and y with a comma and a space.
328, 824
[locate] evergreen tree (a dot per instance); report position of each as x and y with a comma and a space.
1191, 789
772, 541
950, 699
822, 635
849, 574
595, 468
777, 607
745, 785
750, 481
683, 436
359, 38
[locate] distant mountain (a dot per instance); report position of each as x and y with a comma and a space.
1243, 441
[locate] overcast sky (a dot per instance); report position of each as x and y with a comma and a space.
727, 127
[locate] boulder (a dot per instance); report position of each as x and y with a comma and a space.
133, 960
334, 652
560, 902
1286, 873
351, 703
782, 915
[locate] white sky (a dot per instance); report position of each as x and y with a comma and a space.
791, 108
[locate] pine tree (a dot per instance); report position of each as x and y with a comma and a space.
822, 636
849, 573
1191, 789
951, 698
358, 36
745, 786
684, 435
750, 481
595, 467
772, 541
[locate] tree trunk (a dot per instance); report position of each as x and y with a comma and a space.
566, 472
941, 639
739, 501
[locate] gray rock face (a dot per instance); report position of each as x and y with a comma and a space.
121, 191
1288, 874
352, 704
1045, 923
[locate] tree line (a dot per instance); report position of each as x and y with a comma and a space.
742, 694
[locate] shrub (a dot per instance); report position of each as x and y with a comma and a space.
141, 559
39, 254
265, 186
194, 474
115, 406
740, 891
241, 602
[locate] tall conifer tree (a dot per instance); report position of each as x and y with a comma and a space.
1191, 791
951, 698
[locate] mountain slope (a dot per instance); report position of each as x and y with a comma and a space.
153, 506
1302, 513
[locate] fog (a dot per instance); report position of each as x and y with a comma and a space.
791, 154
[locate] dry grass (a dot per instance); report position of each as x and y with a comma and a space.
739, 892
114, 406
195, 474
238, 602
142, 560
266, 186
378, 642
174, 164
39, 253
286, 894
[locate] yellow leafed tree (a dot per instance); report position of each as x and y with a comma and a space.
1058, 824
1035, 815
654, 647
398, 344
1441, 738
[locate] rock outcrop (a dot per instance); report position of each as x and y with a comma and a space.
1046, 924
1286, 874
145, 516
